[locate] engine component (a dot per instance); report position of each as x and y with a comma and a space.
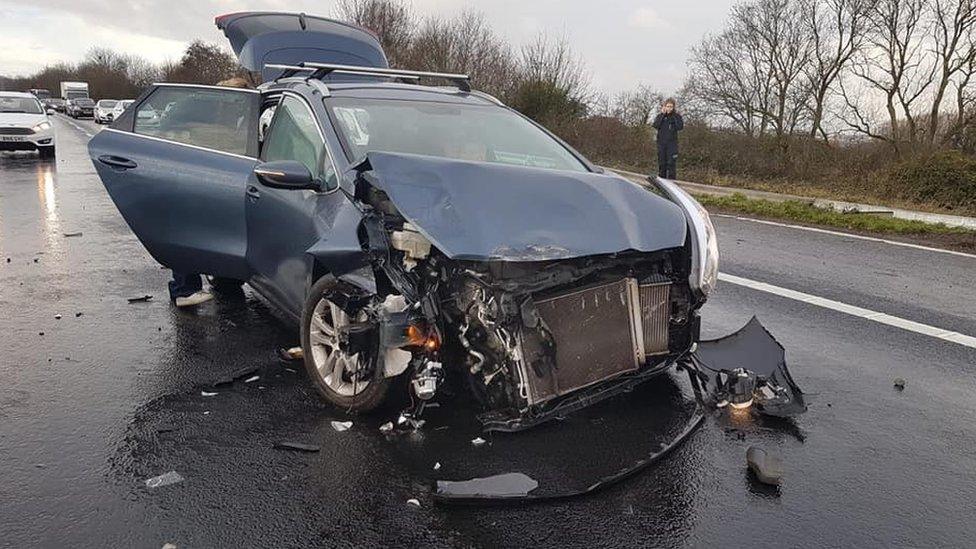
414, 245
427, 379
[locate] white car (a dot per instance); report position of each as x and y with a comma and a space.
105, 111
120, 107
24, 125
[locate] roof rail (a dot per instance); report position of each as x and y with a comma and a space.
320, 70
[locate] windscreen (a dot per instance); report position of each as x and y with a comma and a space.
27, 105
107, 103
84, 102
483, 133
76, 94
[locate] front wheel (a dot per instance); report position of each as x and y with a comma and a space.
348, 381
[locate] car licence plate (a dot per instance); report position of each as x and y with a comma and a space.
12, 138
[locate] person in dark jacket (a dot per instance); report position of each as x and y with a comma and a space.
668, 123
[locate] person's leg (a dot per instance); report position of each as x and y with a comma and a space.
672, 162
662, 161
187, 289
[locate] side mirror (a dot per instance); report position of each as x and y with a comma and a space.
285, 174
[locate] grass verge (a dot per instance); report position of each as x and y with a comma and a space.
957, 238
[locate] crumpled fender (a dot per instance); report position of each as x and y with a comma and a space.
486, 211
340, 252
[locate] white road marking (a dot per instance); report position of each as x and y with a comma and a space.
847, 235
882, 318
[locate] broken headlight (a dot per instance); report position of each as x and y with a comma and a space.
704, 266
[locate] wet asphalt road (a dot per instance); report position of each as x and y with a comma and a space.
104, 400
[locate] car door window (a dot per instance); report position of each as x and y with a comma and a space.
217, 119
294, 135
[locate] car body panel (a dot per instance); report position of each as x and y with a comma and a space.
259, 38
184, 203
487, 211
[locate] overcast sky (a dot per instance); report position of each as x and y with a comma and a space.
623, 42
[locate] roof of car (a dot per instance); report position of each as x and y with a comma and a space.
409, 92
17, 94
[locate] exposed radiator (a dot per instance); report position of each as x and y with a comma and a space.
655, 312
600, 332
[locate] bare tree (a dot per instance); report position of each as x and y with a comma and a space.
894, 63
636, 108
954, 50
393, 23
836, 32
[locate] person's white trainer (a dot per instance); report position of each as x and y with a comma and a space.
196, 298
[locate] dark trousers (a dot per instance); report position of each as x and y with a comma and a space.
184, 284
667, 160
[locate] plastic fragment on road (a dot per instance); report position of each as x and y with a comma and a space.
206, 394
507, 485
437, 466
899, 384
252, 379
169, 546
745, 368
295, 353
69, 235
387, 427
164, 479
414, 502
478, 441
296, 446
141, 299
341, 425
768, 468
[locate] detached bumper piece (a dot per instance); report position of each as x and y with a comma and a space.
516, 488
746, 368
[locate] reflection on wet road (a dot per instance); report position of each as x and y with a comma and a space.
99, 395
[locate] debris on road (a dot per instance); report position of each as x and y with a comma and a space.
296, 446
478, 441
69, 235
164, 479
768, 468
142, 299
341, 425
387, 427
507, 485
437, 466
252, 379
57, 317
292, 353
899, 384
207, 394
78, 314
243, 373
169, 546
407, 421
414, 502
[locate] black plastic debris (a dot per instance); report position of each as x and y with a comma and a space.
491, 491
506, 485
768, 468
296, 446
899, 384
69, 235
141, 299
745, 368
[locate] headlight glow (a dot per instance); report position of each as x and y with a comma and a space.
704, 275
42, 126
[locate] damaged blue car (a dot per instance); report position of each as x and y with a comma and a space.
417, 235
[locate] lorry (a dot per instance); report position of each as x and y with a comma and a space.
74, 90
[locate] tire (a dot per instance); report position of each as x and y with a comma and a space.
338, 390
46, 152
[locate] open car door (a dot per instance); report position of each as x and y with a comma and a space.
259, 38
176, 165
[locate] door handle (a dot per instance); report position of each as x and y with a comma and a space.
117, 162
253, 192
